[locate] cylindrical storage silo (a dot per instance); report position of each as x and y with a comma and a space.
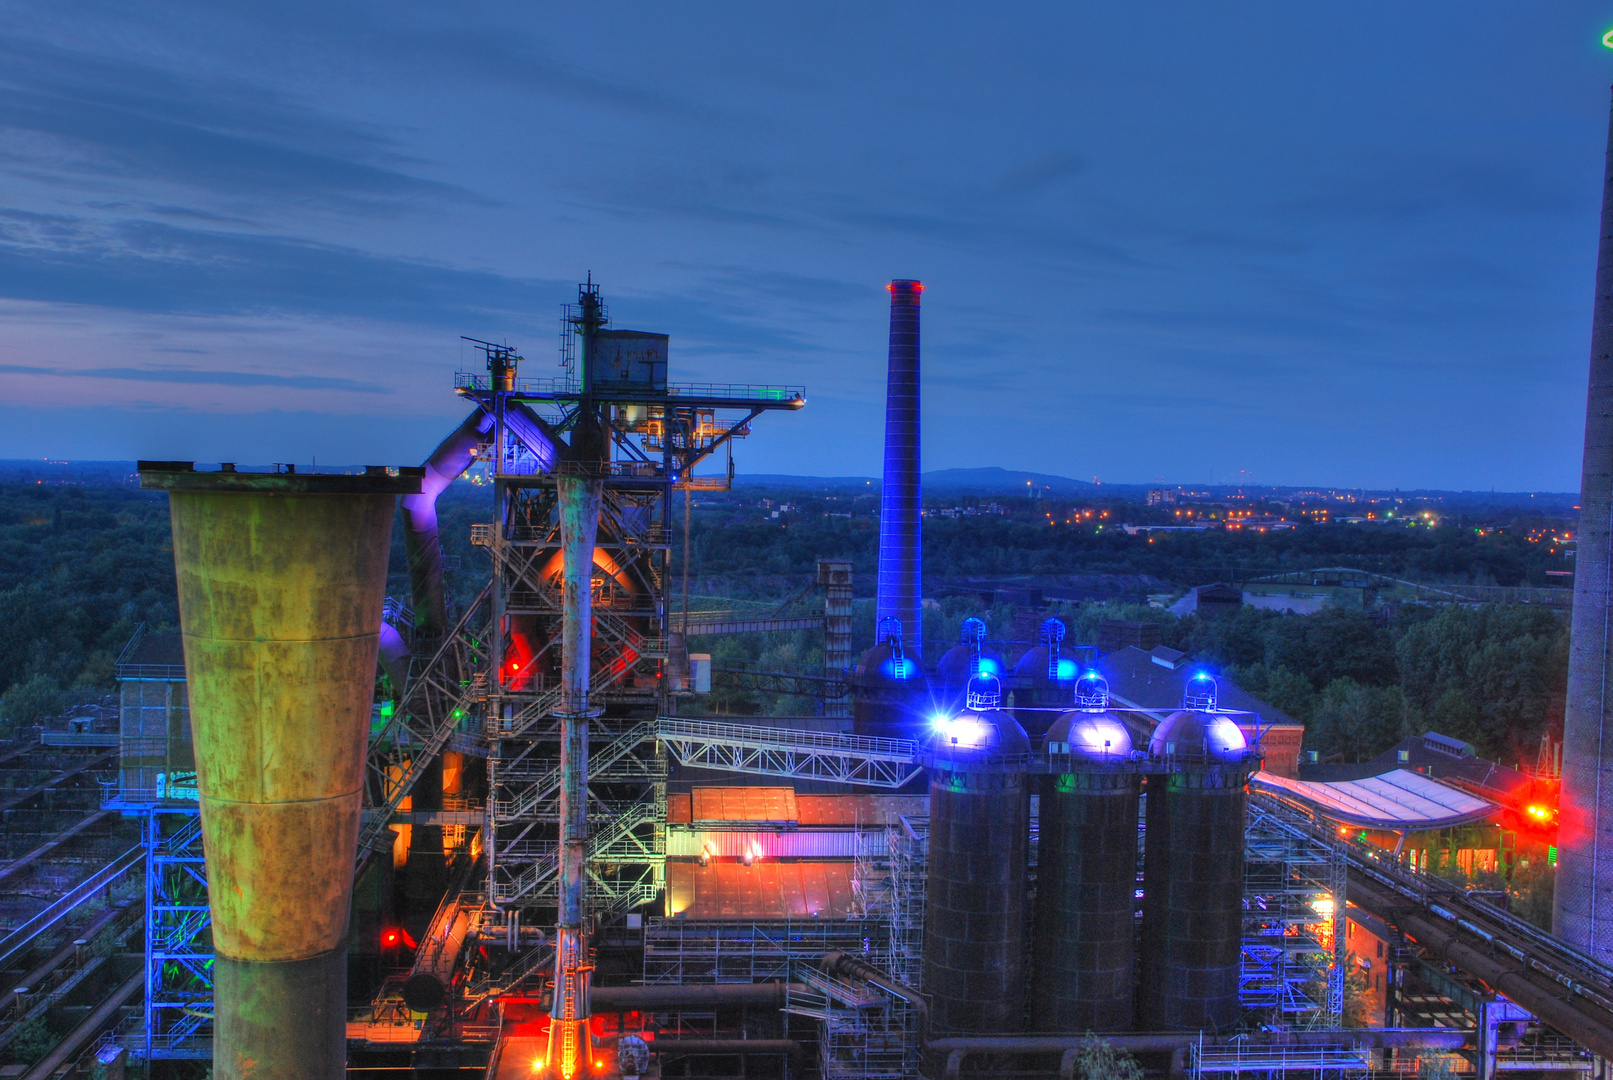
281, 579
1193, 855
1086, 878
975, 900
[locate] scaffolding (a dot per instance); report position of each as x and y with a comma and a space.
178, 1016
1293, 926
639, 438
866, 1034
1241, 1058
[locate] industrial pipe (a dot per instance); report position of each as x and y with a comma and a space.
579, 500
281, 580
421, 541
394, 657
844, 964
900, 588
432, 975
1536, 992
689, 996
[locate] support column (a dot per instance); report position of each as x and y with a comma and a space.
579, 499
835, 577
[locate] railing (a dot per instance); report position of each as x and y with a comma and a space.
1266, 1060
747, 392
113, 871
106, 740
737, 392
600, 849
546, 788
607, 470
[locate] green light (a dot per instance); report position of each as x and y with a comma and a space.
1551, 852
1607, 39
457, 714
386, 708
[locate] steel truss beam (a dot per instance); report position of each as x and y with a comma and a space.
804, 755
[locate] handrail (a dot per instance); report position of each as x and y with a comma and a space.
19, 938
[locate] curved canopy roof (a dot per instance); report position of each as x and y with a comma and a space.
1397, 800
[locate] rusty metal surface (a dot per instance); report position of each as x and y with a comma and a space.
280, 600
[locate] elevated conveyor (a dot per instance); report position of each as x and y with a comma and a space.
1557, 983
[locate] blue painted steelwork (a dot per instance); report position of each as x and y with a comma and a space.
900, 560
179, 957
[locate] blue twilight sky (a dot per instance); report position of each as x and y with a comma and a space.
1347, 243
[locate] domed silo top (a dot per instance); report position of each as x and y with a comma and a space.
957, 664
1045, 662
977, 739
1209, 736
887, 662
969, 657
1097, 736
1040, 664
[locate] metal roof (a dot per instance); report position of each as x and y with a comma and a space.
1396, 800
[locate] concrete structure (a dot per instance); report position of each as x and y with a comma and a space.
901, 578
281, 581
1583, 902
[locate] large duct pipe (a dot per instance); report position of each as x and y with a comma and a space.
281, 580
1582, 907
900, 559
691, 996
394, 657
420, 539
432, 976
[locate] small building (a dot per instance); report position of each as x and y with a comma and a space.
1208, 601
154, 739
1117, 634
1430, 826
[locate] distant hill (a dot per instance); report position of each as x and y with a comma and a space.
995, 481
974, 481
782, 480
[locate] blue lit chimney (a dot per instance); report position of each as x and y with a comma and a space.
900, 560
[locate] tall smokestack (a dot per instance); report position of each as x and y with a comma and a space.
901, 576
1583, 904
